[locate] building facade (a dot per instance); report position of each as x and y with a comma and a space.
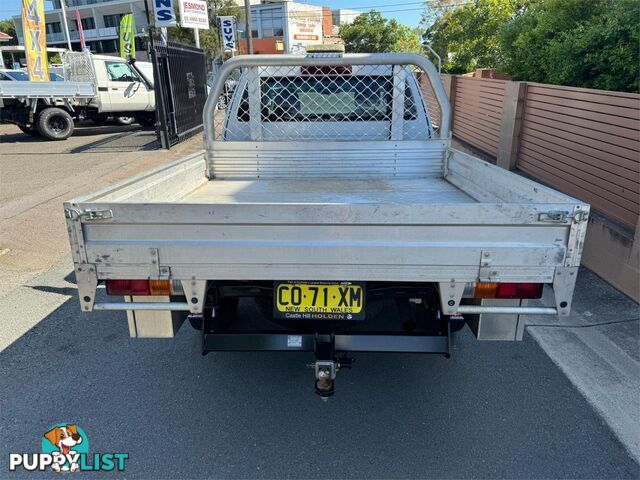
341, 16
286, 26
278, 26
100, 23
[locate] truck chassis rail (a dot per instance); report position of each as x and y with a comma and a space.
281, 342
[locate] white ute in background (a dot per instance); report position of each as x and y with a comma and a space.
96, 87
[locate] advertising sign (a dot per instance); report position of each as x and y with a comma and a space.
193, 14
304, 26
163, 13
127, 36
35, 40
228, 32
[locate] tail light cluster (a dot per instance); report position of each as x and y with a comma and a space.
480, 289
507, 290
139, 287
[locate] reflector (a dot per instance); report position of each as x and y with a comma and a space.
127, 287
507, 290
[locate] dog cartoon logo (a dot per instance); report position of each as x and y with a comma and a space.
65, 448
66, 442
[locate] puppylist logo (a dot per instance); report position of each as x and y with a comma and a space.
65, 448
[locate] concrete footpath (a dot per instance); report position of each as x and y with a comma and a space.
598, 349
37, 176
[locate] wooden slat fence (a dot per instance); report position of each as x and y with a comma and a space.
430, 98
477, 112
585, 143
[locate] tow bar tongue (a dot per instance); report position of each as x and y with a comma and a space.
327, 365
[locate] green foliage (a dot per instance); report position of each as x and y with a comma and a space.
7, 26
209, 39
466, 37
583, 43
372, 33
592, 43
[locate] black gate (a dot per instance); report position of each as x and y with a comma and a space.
180, 78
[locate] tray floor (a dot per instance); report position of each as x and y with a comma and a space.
417, 191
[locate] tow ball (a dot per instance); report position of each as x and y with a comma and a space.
327, 365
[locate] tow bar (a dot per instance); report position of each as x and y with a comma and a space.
327, 365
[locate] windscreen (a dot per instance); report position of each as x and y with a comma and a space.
364, 102
334, 99
18, 75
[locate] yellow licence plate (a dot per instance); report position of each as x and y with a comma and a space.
319, 300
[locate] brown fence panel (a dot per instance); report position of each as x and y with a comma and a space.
477, 112
585, 143
430, 98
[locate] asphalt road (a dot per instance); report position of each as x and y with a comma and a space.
494, 410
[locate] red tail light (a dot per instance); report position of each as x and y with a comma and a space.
507, 290
127, 287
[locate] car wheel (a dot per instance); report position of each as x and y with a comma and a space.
55, 124
125, 120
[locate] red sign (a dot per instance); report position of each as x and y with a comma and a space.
305, 37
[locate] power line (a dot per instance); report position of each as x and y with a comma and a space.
313, 14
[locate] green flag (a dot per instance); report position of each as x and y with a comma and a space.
127, 36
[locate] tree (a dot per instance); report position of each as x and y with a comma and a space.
7, 26
467, 37
574, 42
372, 33
582, 43
434, 9
209, 39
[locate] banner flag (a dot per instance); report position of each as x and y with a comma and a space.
83, 45
127, 36
35, 40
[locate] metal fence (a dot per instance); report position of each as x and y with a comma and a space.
181, 90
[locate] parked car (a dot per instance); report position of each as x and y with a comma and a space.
328, 202
13, 75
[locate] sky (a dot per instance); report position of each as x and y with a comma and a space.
405, 11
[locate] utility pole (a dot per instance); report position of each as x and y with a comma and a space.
247, 14
150, 28
63, 4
